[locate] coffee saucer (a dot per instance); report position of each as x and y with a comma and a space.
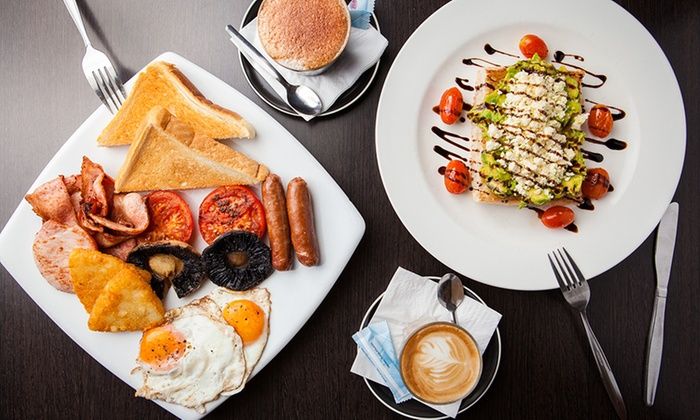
267, 94
416, 410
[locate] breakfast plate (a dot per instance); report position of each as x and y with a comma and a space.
417, 410
295, 294
505, 246
267, 94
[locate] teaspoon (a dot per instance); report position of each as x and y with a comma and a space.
450, 293
301, 98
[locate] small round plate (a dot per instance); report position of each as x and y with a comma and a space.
265, 92
416, 410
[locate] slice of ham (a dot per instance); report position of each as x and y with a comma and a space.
129, 215
74, 183
122, 250
108, 240
51, 201
52, 248
97, 188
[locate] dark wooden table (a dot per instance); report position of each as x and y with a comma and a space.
546, 370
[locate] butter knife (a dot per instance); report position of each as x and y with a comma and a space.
665, 242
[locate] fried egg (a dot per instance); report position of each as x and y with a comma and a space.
192, 358
248, 312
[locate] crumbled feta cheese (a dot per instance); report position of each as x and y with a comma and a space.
494, 132
578, 121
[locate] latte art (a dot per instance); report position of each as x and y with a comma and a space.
440, 363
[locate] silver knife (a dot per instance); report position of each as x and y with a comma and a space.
665, 241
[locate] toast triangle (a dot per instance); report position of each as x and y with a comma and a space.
167, 154
163, 84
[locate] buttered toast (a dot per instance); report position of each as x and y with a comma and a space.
526, 138
163, 84
169, 154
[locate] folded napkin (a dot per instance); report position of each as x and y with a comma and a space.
411, 301
365, 47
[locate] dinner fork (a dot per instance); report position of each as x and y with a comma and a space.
98, 70
575, 289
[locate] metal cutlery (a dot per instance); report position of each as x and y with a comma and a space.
98, 70
576, 292
665, 242
450, 293
301, 98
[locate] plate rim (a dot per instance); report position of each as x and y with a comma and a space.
667, 196
330, 111
461, 410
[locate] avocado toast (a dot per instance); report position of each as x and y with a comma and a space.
527, 134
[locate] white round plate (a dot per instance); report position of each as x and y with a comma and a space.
501, 245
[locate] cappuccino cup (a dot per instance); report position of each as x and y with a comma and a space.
440, 363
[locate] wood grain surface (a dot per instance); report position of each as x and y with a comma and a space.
546, 371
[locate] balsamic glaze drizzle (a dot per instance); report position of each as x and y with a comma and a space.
471, 62
612, 144
491, 51
464, 83
595, 157
603, 78
560, 55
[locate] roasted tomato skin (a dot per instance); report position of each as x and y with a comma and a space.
557, 217
532, 44
451, 105
170, 218
457, 177
232, 207
600, 121
596, 184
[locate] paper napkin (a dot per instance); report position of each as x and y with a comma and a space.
411, 301
365, 47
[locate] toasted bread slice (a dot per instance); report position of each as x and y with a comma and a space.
486, 81
167, 154
163, 84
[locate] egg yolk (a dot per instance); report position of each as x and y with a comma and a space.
162, 347
247, 318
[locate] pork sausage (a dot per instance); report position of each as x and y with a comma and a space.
277, 222
301, 222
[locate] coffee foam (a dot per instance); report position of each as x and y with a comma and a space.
440, 363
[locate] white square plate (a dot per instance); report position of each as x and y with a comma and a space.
295, 294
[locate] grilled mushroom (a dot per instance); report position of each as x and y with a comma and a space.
237, 260
170, 262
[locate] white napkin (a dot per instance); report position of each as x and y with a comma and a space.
410, 302
365, 47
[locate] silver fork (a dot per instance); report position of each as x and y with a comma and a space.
98, 70
575, 289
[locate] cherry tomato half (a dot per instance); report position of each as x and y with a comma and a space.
600, 121
457, 177
596, 184
557, 217
451, 105
532, 44
170, 218
230, 208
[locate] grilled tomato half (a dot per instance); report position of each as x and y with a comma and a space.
228, 208
532, 44
170, 218
451, 105
457, 177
